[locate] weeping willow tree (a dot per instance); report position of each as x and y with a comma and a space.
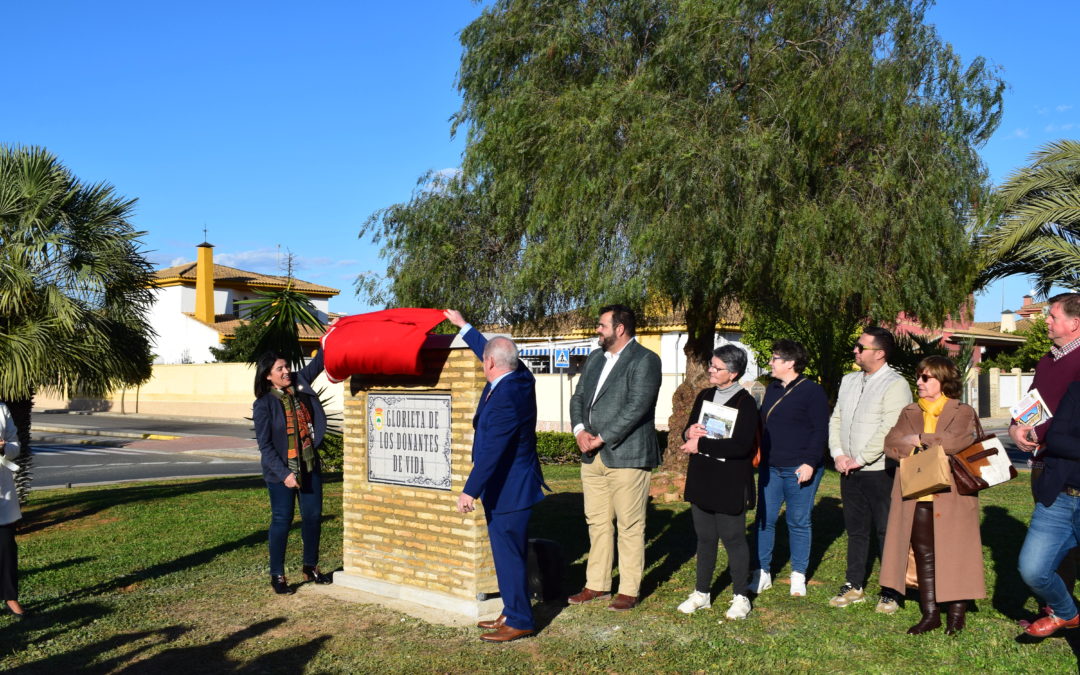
74, 288
812, 159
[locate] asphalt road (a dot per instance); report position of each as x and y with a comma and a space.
128, 426
59, 465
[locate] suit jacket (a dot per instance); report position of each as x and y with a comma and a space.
269, 417
957, 540
623, 412
1062, 453
506, 470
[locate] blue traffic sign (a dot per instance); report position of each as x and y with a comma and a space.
562, 358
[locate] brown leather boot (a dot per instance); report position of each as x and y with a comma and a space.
922, 542
955, 617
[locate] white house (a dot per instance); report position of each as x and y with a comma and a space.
195, 305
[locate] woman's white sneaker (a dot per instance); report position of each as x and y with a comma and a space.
696, 601
762, 583
798, 584
740, 607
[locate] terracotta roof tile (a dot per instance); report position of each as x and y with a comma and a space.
231, 275
226, 324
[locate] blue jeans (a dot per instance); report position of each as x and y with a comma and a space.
779, 485
1052, 533
282, 502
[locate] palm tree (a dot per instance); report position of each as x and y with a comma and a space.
74, 287
1036, 231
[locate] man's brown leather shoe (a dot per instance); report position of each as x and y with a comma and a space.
1048, 625
505, 634
587, 595
492, 624
621, 603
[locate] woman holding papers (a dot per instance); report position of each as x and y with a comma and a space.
942, 528
720, 477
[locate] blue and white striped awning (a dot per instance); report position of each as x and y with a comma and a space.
577, 350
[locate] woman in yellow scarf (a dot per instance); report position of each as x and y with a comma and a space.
943, 528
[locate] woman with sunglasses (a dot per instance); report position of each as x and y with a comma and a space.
720, 482
942, 529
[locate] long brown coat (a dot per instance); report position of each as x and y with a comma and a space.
958, 553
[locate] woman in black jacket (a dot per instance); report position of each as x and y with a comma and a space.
289, 427
720, 482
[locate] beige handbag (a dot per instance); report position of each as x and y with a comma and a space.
925, 472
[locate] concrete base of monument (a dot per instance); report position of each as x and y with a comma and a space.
430, 606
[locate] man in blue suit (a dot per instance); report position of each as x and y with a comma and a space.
506, 473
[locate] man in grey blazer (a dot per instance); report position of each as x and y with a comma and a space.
613, 411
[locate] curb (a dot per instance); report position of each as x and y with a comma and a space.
84, 431
145, 416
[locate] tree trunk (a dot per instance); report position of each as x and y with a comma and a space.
669, 481
20, 415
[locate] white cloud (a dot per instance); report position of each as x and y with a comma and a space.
272, 261
178, 261
260, 258
448, 173
1066, 127
1063, 108
1050, 128
1018, 133
1042, 110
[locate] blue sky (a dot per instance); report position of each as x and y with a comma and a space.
274, 123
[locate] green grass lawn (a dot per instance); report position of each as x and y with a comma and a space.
172, 577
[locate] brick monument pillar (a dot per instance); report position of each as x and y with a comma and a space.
408, 446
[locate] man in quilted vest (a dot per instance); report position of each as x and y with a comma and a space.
868, 405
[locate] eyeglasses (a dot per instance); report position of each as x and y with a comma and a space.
778, 358
714, 369
926, 378
859, 347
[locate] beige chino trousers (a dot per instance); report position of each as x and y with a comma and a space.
615, 498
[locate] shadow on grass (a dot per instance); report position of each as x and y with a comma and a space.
1004, 535
85, 503
40, 627
209, 657
180, 564
199, 657
828, 520
26, 573
669, 539
561, 517
669, 543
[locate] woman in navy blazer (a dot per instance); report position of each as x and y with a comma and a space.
290, 480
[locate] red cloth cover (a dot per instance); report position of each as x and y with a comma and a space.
378, 343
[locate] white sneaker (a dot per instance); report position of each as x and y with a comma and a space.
798, 584
762, 583
696, 601
740, 607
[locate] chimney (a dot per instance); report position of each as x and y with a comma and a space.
1029, 308
204, 283
1008, 321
